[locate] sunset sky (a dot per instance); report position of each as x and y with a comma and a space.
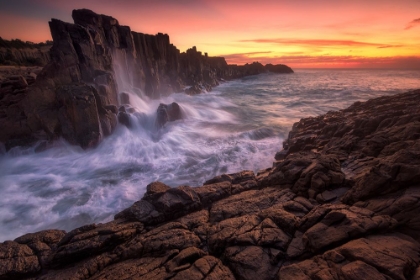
301, 34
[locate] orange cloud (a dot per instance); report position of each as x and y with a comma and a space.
317, 42
329, 61
245, 30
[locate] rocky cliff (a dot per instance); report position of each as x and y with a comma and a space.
95, 60
26, 56
19, 53
340, 202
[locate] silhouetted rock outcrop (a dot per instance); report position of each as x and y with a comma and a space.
341, 202
98, 53
278, 68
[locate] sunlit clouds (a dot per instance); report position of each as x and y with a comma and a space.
316, 33
413, 23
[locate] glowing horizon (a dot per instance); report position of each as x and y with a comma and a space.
308, 34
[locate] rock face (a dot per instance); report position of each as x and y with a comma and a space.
17, 52
168, 113
340, 202
14, 85
97, 52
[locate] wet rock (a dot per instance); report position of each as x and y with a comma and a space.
91, 240
124, 98
162, 206
124, 118
97, 51
43, 244
195, 89
78, 115
156, 189
167, 113
340, 202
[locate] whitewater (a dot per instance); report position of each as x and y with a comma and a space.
240, 125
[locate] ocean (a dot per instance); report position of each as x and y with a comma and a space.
240, 125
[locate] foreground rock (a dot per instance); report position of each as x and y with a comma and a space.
340, 202
95, 54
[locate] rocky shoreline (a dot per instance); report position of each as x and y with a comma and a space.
340, 202
93, 61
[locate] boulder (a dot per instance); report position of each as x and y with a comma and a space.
167, 113
17, 260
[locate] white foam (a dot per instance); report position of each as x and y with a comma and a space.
237, 127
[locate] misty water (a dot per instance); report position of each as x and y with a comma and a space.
239, 125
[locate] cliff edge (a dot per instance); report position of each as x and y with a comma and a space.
340, 202
93, 62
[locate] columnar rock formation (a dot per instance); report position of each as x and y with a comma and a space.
25, 56
341, 202
92, 61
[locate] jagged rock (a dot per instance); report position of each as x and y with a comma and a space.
253, 262
338, 223
248, 202
97, 51
155, 189
42, 243
17, 260
78, 115
167, 113
195, 89
155, 208
246, 230
378, 257
91, 240
124, 118
306, 173
340, 202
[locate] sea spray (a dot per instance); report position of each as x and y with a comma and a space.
240, 125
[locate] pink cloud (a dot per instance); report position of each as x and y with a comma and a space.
327, 61
412, 24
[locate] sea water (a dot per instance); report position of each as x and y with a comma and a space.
240, 125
